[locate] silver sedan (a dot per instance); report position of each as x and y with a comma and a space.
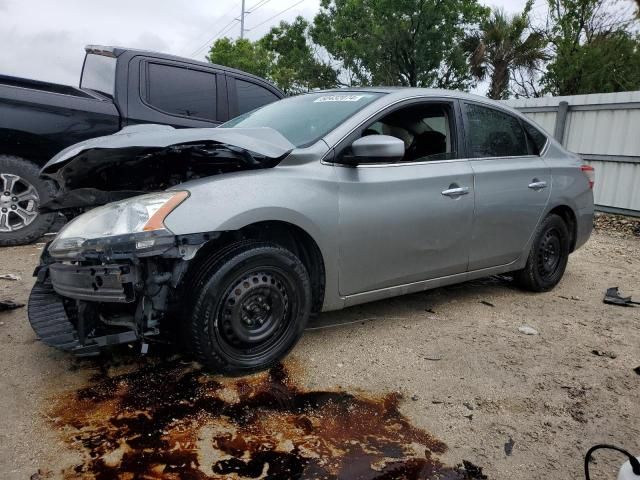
310, 204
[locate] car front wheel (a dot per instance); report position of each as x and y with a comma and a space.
250, 306
548, 256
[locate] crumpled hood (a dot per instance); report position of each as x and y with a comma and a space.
147, 158
262, 141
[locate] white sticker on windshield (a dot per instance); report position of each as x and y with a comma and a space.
338, 98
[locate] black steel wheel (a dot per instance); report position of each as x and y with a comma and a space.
250, 307
22, 191
548, 257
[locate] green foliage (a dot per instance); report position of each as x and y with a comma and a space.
285, 56
502, 45
399, 42
589, 45
242, 54
295, 66
594, 51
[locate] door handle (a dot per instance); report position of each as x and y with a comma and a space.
537, 185
456, 192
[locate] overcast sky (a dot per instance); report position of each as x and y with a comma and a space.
44, 39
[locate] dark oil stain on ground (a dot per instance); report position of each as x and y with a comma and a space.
173, 421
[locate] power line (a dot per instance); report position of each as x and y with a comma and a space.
244, 12
222, 31
258, 5
216, 23
277, 14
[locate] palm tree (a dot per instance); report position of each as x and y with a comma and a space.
503, 45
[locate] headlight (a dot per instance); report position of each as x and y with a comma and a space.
145, 213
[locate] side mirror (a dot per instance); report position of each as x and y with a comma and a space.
374, 148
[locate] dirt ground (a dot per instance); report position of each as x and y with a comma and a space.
518, 406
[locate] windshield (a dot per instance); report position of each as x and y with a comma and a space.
306, 118
99, 74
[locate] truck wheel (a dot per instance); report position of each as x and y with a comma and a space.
251, 304
548, 257
22, 191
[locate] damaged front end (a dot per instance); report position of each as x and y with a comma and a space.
111, 292
147, 158
112, 274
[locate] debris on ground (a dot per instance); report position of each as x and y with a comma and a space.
601, 353
471, 471
617, 225
40, 475
527, 330
9, 305
637, 370
488, 304
9, 276
614, 297
433, 359
508, 447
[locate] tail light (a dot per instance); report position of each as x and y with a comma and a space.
590, 173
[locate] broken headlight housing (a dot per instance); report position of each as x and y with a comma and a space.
138, 219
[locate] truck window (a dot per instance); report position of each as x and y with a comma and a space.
99, 74
252, 96
181, 91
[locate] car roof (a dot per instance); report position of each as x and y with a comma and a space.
117, 51
408, 92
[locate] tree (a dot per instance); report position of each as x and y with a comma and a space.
286, 56
594, 47
242, 54
296, 67
399, 42
503, 46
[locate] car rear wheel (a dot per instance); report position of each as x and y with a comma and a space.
250, 307
22, 191
548, 257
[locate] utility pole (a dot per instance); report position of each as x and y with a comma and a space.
242, 21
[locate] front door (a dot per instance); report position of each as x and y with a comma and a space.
410, 220
512, 186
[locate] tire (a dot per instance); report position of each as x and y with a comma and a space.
548, 257
251, 303
20, 222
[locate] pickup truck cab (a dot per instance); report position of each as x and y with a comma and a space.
119, 87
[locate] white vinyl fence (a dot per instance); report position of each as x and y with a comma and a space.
604, 128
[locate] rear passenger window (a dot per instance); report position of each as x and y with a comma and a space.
182, 91
537, 139
492, 133
252, 96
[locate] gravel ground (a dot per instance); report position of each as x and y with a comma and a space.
519, 406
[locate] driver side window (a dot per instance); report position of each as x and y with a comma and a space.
425, 129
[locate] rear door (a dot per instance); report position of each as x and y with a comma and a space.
512, 185
175, 93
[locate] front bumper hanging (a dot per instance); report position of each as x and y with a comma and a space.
48, 316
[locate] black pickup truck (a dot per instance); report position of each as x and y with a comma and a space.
119, 87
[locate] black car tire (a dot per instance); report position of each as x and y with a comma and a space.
548, 256
29, 173
250, 305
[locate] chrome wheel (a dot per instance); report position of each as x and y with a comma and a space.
19, 202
